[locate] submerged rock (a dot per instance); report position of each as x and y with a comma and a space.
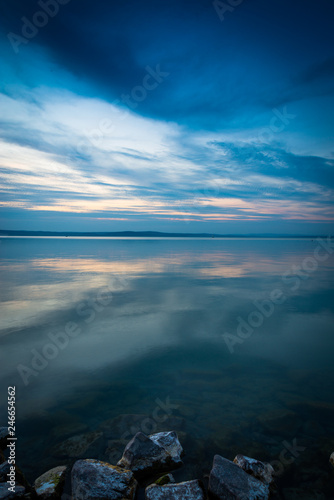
263, 472
331, 459
228, 481
123, 426
76, 445
3, 437
5, 494
113, 452
146, 456
190, 490
49, 486
96, 480
281, 422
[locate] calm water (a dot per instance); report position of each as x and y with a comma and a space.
155, 343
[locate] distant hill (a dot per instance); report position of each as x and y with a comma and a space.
144, 234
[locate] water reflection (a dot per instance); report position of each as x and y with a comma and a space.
161, 335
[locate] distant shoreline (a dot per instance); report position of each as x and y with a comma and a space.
145, 235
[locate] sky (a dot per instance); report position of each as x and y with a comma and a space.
177, 116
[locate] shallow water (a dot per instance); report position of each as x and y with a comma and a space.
95, 330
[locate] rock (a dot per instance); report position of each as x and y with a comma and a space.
170, 442
166, 479
76, 445
69, 429
96, 480
263, 472
190, 490
146, 456
5, 469
127, 425
49, 486
331, 459
113, 453
123, 426
228, 481
5, 494
3, 437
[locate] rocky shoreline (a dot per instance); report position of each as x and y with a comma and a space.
144, 471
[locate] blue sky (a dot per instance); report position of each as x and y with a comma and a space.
167, 115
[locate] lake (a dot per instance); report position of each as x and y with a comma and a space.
228, 341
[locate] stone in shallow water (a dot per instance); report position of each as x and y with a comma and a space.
69, 429
263, 472
50, 484
229, 481
170, 442
96, 480
5, 494
113, 452
190, 490
146, 456
76, 445
3, 437
123, 426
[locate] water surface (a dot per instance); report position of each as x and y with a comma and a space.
153, 342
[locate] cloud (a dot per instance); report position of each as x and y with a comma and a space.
139, 167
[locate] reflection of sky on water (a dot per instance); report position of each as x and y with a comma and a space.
165, 294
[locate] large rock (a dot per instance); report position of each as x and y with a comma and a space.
331, 459
96, 480
263, 472
190, 490
229, 482
5, 494
146, 456
3, 437
49, 486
